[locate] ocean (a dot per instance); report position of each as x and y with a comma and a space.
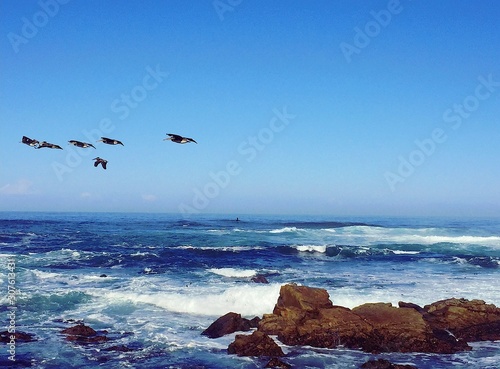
154, 282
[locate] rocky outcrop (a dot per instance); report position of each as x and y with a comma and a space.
256, 344
229, 323
306, 316
82, 333
404, 330
467, 320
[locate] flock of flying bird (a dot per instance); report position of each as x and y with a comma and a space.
109, 141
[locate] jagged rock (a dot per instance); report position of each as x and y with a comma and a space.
256, 344
120, 348
385, 364
304, 298
306, 316
18, 337
229, 323
404, 330
471, 321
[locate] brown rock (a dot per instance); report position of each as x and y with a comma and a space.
82, 333
256, 344
468, 320
404, 330
80, 330
302, 297
226, 324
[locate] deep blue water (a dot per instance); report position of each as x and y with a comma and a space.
167, 278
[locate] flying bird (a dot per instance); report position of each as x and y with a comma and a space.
98, 161
49, 145
110, 141
178, 139
81, 144
30, 142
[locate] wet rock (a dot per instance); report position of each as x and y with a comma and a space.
5, 337
226, 324
82, 333
256, 344
79, 330
276, 363
120, 348
470, 320
259, 278
385, 364
306, 316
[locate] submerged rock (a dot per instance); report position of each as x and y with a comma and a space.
259, 278
5, 337
229, 323
276, 363
256, 344
385, 364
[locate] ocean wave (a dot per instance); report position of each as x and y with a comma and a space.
284, 230
248, 300
233, 272
312, 248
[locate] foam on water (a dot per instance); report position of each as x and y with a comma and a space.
248, 300
233, 272
312, 248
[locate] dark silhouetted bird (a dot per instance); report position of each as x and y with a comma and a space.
48, 145
98, 161
28, 141
178, 139
110, 141
81, 144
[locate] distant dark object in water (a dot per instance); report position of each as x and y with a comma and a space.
48, 145
5, 337
110, 141
259, 278
98, 161
484, 261
81, 144
30, 142
178, 139
237, 219
103, 276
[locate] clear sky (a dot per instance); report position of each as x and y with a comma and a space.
299, 107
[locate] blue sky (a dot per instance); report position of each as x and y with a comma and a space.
298, 107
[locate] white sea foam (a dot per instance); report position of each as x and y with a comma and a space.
426, 236
248, 300
284, 230
311, 248
233, 272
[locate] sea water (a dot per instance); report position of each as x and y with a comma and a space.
154, 282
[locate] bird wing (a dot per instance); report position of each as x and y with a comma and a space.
103, 163
174, 136
190, 139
